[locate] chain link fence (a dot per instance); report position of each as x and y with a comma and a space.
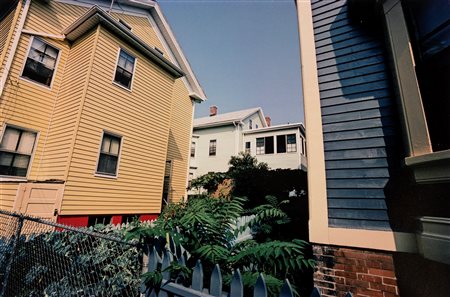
42, 258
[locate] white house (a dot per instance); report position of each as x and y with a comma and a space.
218, 137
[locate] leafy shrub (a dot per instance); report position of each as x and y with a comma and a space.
71, 263
206, 228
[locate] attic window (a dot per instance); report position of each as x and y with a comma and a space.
125, 24
159, 51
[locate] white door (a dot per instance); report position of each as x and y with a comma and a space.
39, 200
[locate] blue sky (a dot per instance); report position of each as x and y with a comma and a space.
244, 53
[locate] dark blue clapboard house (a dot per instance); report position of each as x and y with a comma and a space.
376, 79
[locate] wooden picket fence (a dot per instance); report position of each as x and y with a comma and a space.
197, 289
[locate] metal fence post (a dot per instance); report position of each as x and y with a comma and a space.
13, 252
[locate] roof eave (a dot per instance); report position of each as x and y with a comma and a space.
96, 16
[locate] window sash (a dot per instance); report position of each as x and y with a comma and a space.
248, 147
109, 155
291, 143
260, 146
212, 147
16, 149
124, 69
41, 62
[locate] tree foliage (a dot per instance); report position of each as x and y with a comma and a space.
206, 228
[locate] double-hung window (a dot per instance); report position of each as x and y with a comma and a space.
125, 69
109, 154
41, 62
16, 149
260, 146
291, 143
212, 147
264, 145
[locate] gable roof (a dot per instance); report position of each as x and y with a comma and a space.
228, 118
195, 90
96, 16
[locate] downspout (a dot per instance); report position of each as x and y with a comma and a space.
111, 6
14, 45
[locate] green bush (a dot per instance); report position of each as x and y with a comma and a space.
205, 227
69, 263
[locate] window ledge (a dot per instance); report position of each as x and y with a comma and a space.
121, 86
434, 240
12, 179
430, 168
105, 176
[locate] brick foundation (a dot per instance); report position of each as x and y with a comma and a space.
363, 273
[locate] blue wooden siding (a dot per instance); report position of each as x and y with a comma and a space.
358, 116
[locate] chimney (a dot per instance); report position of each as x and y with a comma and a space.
212, 111
268, 121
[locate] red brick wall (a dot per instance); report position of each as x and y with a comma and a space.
363, 273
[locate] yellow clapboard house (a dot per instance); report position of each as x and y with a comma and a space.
96, 108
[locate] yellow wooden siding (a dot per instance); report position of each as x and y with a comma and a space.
54, 163
12, 33
27, 104
5, 28
179, 140
8, 192
141, 117
52, 17
141, 26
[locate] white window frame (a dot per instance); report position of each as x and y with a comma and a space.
215, 147
36, 141
102, 174
25, 62
258, 151
287, 144
115, 69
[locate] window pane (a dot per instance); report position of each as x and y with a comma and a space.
129, 66
111, 165
269, 149
281, 143
122, 77
115, 144
38, 46
26, 142
107, 164
49, 62
51, 52
106, 143
6, 159
122, 61
21, 161
10, 139
291, 138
